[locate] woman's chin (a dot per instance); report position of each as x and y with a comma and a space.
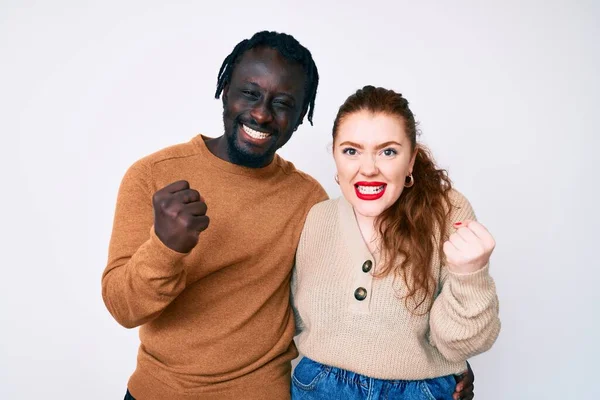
367, 210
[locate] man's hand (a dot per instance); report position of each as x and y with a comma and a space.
179, 216
469, 248
464, 385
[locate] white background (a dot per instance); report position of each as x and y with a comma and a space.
507, 93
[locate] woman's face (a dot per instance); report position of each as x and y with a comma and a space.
373, 157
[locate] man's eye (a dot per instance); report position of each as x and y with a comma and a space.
281, 103
249, 94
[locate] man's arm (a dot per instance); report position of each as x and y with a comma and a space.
151, 235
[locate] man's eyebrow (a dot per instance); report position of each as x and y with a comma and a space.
257, 86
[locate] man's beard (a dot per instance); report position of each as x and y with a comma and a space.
241, 156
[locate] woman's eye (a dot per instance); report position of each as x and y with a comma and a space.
349, 151
389, 152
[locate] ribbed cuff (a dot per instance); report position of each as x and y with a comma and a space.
473, 284
162, 257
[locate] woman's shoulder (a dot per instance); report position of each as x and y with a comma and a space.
457, 198
460, 207
322, 220
320, 228
324, 209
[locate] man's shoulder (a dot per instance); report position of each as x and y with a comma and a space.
288, 168
169, 153
300, 177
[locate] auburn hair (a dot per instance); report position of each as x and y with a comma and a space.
409, 228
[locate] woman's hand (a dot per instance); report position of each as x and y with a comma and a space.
469, 248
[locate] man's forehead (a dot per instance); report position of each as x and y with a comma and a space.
269, 65
263, 54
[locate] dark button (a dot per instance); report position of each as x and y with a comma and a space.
367, 266
360, 294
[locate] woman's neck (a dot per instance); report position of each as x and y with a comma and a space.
370, 234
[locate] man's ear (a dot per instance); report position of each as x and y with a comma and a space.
225, 93
301, 118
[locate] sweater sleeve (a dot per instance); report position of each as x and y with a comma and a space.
142, 276
464, 317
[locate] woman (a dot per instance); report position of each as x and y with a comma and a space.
391, 287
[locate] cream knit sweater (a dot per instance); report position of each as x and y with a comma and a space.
378, 336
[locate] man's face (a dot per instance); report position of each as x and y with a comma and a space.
262, 106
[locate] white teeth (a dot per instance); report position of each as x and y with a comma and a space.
255, 134
370, 189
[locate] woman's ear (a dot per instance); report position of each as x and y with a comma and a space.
411, 165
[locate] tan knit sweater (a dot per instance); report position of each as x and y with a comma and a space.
216, 323
378, 336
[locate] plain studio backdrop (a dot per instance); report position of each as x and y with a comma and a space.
507, 93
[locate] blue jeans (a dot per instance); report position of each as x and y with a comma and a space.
312, 380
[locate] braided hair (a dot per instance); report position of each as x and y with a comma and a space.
289, 48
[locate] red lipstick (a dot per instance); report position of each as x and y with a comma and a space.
369, 196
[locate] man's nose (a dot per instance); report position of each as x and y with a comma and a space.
261, 113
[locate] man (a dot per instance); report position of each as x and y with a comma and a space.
212, 297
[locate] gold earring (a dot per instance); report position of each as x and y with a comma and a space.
411, 181
337, 179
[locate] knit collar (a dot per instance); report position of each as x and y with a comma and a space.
353, 238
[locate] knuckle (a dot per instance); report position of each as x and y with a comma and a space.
156, 197
481, 248
164, 203
187, 221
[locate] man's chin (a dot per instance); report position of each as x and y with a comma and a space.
247, 158
246, 154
